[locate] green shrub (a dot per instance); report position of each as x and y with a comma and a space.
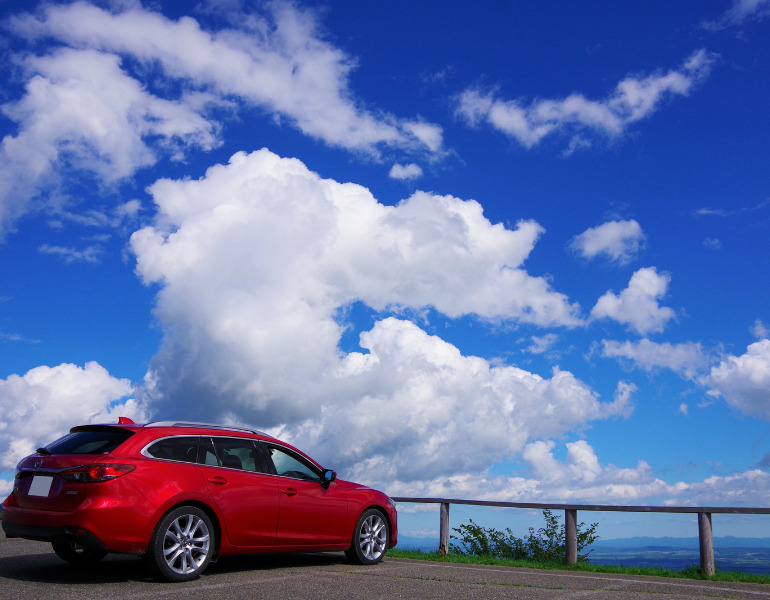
547, 544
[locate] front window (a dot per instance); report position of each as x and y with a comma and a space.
288, 464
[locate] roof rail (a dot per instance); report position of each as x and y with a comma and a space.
206, 425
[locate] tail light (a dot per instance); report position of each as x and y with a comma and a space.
96, 473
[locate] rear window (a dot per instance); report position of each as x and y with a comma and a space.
89, 442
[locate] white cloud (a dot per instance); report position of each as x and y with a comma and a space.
744, 381
257, 261
750, 488
415, 397
89, 254
637, 306
620, 241
410, 171
739, 13
759, 330
582, 478
687, 359
81, 111
633, 99
87, 104
278, 61
542, 344
38, 407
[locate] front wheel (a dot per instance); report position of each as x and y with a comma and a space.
370, 538
182, 545
76, 554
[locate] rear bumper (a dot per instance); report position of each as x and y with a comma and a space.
114, 530
40, 533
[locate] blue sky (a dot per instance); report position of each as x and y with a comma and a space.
503, 251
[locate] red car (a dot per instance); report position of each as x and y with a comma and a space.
183, 494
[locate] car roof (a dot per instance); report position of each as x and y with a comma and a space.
178, 425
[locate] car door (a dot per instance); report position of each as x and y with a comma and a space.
309, 513
246, 496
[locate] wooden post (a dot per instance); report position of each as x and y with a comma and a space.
706, 544
570, 536
443, 542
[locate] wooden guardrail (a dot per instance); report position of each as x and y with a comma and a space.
705, 537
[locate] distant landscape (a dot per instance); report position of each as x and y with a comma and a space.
748, 555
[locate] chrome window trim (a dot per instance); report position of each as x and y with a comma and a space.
283, 448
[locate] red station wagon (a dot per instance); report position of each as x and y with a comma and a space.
182, 494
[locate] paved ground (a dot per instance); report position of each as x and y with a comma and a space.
30, 571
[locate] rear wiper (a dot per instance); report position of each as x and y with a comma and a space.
44, 451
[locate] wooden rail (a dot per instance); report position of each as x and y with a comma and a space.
705, 537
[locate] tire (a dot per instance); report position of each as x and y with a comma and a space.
182, 544
370, 538
76, 554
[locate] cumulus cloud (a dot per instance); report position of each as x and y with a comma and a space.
44, 403
581, 477
439, 399
635, 98
749, 488
256, 262
410, 171
744, 381
687, 359
619, 241
637, 306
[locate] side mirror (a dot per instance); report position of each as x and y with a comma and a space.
327, 477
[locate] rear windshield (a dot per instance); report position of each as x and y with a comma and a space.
89, 442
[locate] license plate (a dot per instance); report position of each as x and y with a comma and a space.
40, 486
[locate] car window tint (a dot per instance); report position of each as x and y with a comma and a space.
207, 455
89, 442
237, 453
182, 449
288, 464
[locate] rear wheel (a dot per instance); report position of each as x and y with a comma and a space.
182, 545
76, 554
370, 538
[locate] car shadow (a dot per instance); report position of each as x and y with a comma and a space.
121, 568
268, 562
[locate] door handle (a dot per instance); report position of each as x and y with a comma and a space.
217, 480
290, 492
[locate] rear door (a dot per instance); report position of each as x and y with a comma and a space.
246, 497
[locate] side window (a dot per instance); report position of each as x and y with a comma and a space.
237, 453
181, 449
207, 455
288, 464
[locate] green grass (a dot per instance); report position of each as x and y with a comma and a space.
689, 573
